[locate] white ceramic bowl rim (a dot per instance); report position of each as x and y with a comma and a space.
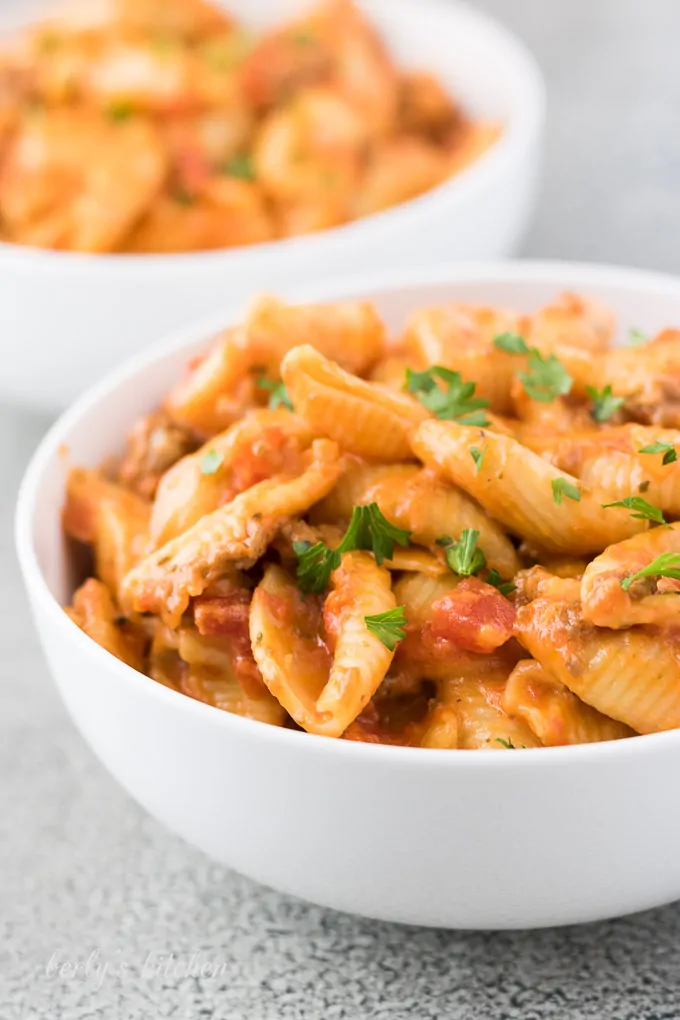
519, 130
26, 509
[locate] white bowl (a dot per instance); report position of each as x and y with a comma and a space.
66, 318
462, 839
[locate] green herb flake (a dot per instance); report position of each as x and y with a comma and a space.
670, 454
278, 394
508, 744
211, 462
120, 111
303, 37
183, 197
388, 627
511, 343
225, 54
165, 42
463, 557
666, 565
605, 404
455, 403
636, 338
546, 379
563, 487
644, 511
316, 563
368, 529
478, 456
48, 42
241, 167
496, 581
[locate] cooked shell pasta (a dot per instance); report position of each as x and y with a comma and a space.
233, 536
482, 722
323, 691
94, 611
169, 127
515, 486
460, 337
263, 443
379, 555
366, 419
619, 460
651, 599
631, 675
553, 713
418, 500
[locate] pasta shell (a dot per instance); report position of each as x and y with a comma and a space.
553, 713
606, 604
323, 695
263, 443
460, 337
218, 389
422, 503
364, 418
631, 675
95, 612
514, 486
234, 535
482, 722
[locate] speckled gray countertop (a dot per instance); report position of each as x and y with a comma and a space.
103, 914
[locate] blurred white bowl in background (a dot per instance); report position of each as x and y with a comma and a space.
472, 839
67, 318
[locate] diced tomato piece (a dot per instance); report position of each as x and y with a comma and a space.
192, 169
274, 453
473, 616
224, 615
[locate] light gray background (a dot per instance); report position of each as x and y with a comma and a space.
83, 870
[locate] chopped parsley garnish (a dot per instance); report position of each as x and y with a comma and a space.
463, 557
666, 565
511, 343
183, 197
278, 394
546, 379
670, 454
478, 456
506, 743
388, 627
120, 111
644, 511
316, 563
563, 487
48, 42
455, 403
496, 581
211, 462
240, 166
303, 37
225, 54
636, 338
605, 404
368, 529
164, 42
